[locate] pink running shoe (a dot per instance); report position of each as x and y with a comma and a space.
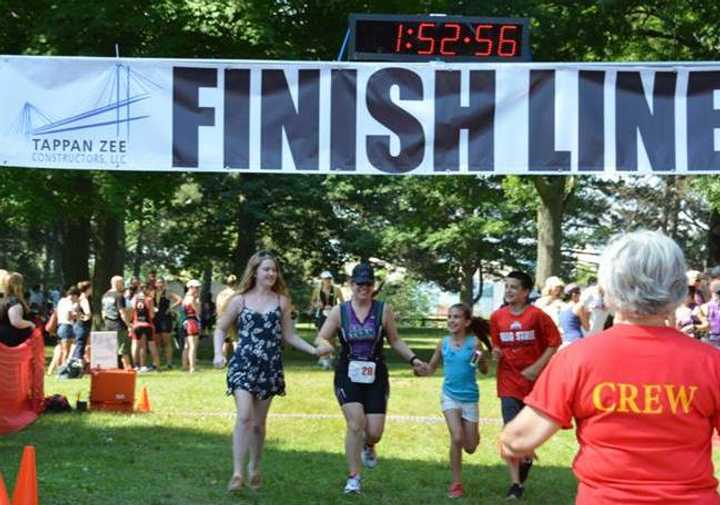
456, 490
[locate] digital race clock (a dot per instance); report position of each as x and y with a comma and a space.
451, 38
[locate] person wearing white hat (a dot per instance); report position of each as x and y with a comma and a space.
191, 324
324, 297
551, 300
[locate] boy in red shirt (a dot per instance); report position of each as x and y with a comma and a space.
524, 339
643, 396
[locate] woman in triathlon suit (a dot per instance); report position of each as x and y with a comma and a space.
191, 308
143, 330
165, 303
261, 314
711, 311
361, 376
323, 299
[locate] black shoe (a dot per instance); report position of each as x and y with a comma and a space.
515, 492
524, 469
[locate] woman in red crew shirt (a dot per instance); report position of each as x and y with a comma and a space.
644, 398
524, 338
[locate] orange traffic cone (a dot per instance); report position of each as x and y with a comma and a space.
26, 485
144, 403
4, 498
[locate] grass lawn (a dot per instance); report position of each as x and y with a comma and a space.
181, 455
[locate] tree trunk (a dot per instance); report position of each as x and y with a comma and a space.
109, 254
713, 242
75, 240
672, 202
554, 192
481, 284
206, 281
75, 231
466, 291
247, 228
48, 249
138, 256
56, 248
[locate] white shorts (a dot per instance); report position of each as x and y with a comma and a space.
468, 410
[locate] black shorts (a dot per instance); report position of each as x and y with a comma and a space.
143, 331
373, 397
510, 407
163, 325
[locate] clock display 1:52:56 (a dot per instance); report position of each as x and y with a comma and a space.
458, 39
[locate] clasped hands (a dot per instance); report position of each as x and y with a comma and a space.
421, 369
323, 348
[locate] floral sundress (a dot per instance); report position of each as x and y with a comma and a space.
256, 365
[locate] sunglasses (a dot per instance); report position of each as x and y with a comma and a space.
364, 284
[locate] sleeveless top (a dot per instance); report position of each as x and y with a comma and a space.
459, 383
327, 298
256, 365
570, 325
9, 335
163, 306
189, 310
361, 340
112, 302
82, 315
714, 319
141, 312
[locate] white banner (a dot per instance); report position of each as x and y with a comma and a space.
359, 118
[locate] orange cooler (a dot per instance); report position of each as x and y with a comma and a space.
112, 390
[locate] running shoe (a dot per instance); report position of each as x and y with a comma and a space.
144, 370
352, 486
456, 490
369, 457
524, 469
515, 492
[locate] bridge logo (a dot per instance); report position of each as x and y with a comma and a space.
95, 133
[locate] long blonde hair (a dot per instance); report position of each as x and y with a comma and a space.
552, 283
15, 287
248, 279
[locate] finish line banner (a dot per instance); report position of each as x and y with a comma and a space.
358, 118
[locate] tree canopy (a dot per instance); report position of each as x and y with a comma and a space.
62, 226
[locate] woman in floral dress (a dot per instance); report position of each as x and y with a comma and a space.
261, 313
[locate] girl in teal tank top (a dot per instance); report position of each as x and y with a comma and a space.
461, 358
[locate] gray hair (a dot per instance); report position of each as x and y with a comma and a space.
643, 273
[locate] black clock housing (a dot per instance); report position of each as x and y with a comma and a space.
378, 37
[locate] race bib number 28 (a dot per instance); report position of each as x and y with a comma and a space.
362, 372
